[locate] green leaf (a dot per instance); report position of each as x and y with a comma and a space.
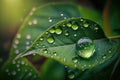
20, 69
52, 70
35, 23
75, 42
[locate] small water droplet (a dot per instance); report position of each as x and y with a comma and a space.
65, 18
30, 74
22, 62
75, 35
71, 75
28, 36
85, 47
104, 56
27, 43
50, 40
18, 69
18, 65
61, 14
16, 41
96, 28
29, 23
66, 33
16, 51
69, 24
109, 51
45, 51
41, 38
14, 73
58, 31
18, 36
52, 31
85, 24
75, 60
7, 70
49, 19
75, 27
35, 21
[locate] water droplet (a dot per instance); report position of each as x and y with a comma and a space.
50, 40
29, 23
16, 41
35, 21
7, 70
28, 36
109, 51
74, 27
18, 65
16, 51
27, 43
61, 14
52, 31
69, 24
30, 73
71, 75
18, 36
75, 60
85, 24
23, 62
75, 35
14, 62
49, 19
85, 47
104, 56
96, 28
58, 31
65, 18
18, 69
66, 33
14, 73
41, 38
45, 51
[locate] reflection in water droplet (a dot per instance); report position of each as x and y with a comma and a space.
74, 27
50, 40
85, 47
58, 31
85, 24
52, 31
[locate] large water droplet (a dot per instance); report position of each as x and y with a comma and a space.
58, 31
85, 47
50, 40
74, 27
